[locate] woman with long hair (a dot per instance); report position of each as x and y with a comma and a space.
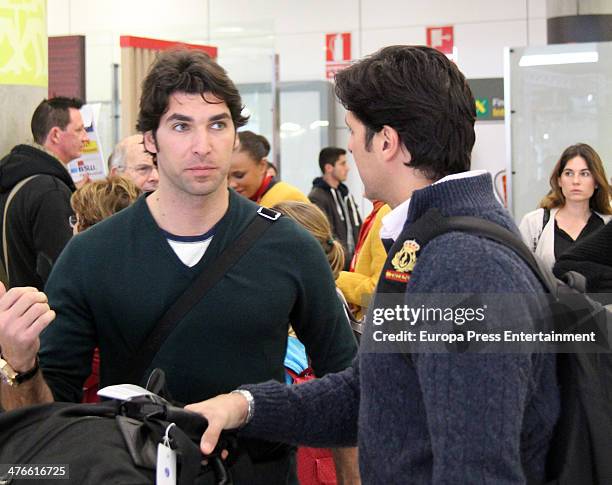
249, 173
577, 205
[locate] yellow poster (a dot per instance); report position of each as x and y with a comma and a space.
23, 42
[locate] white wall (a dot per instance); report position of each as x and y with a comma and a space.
247, 32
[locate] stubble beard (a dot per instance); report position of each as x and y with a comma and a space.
201, 186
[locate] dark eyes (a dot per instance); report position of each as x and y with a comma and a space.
582, 173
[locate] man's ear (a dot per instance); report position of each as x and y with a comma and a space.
390, 142
149, 142
236, 141
54, 135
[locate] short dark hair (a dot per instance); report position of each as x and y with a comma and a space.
418, 92
329, 156
52, 112
257, 146
188, 71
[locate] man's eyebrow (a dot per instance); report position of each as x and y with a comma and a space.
179, 117
220, 116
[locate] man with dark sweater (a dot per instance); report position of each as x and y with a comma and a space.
37, 218
114, 281
332, 196
426, 417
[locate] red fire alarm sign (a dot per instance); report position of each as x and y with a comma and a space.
337, 52
441, 38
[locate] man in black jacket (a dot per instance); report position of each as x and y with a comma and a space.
331, 196
38, 215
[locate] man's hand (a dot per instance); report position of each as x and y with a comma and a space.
24, 314
227, 411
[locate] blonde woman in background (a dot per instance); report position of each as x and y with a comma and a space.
100, 199
311, 218
577, 205
315, 221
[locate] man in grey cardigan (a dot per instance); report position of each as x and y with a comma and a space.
436, 417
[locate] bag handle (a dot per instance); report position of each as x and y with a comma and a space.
4, 267
196, 291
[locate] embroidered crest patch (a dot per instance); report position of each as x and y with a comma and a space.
405, 259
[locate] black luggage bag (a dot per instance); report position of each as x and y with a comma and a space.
110, 442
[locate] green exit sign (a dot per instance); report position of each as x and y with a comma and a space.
482, 107
489, 98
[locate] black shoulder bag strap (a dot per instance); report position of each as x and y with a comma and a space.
545, 218
194, 293
434, 224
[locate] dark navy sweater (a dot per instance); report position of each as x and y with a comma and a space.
448, 418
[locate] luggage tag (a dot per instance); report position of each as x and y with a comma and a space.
166, 461
123, 392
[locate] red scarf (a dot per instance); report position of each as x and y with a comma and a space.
364, 231
265, 183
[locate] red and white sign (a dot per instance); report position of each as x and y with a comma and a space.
337, 53
441, 38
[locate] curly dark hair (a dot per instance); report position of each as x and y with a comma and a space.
418, 92
188, 71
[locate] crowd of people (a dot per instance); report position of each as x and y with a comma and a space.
93, 269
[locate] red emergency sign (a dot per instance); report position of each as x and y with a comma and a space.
441, 38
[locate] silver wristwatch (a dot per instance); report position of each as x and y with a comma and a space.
250, 401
